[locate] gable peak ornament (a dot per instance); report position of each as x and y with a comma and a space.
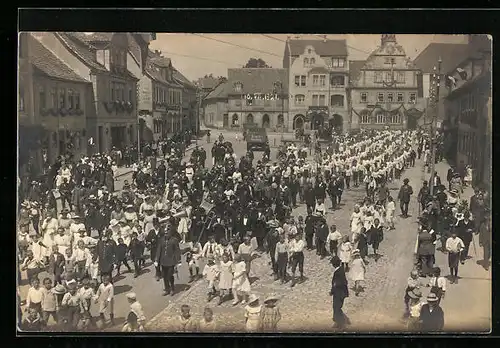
387, 38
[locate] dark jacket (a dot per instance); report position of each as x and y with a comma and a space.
425, 244
431, 321
136, 248
405, 193
339, 284
322, 232
464, 231
56, 263
375, 235
121, 252
106, 253
168, 252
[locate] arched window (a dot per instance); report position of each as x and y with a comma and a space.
299, 99
235, 120
250, 118
313, 61
306, 61
337, 100
281, 120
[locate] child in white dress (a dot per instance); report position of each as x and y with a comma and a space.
211, 274
357, 271
345, 252
225, 277
241, 284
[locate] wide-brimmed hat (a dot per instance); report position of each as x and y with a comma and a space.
65, 211
432, 297
113, 222
355, 252
59, 289
76, 216
453, 192
253, 298
415, 294
129, 206
271, 298
131, 296
71, 283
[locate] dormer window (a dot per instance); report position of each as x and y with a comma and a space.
238, 87
118, 58
309, 51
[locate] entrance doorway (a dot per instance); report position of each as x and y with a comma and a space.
336, 123
298, 122
225, 120
317, 122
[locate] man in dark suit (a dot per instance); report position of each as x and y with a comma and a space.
431, 315
404, 196
338, 292
168, 256
152, 238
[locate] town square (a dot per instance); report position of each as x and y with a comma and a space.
174, 182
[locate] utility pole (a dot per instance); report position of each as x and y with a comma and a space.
198, 119
437, 79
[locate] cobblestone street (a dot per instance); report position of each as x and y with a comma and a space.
307, 306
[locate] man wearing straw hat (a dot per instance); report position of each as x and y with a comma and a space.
431, 315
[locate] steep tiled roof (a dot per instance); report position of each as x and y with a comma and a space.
183, 79
163, 62
156, 75
322, 47
257, 80
94, 37
48, 64
81, 50
355, 67
208, 82
450, 54
219, 92
134, 48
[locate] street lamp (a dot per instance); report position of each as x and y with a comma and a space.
437, 80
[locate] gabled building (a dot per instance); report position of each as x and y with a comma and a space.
104, 60
160, 99
318, 75
384, 90
428, 62
255, 96
468, 122
190, 98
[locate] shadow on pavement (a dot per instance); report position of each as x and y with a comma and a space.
120, 289
181, 288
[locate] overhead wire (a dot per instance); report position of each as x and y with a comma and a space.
239, 46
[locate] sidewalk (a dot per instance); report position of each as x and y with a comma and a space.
468, 304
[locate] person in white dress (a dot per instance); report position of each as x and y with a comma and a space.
211, 273
49, 230
356, 219
345, 252
357, 271
225, 277
389, 212
241, 284
253, 318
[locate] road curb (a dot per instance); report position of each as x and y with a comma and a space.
175, 301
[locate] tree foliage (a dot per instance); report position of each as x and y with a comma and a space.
256, 63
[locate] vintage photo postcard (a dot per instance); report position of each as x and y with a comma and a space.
254, 183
